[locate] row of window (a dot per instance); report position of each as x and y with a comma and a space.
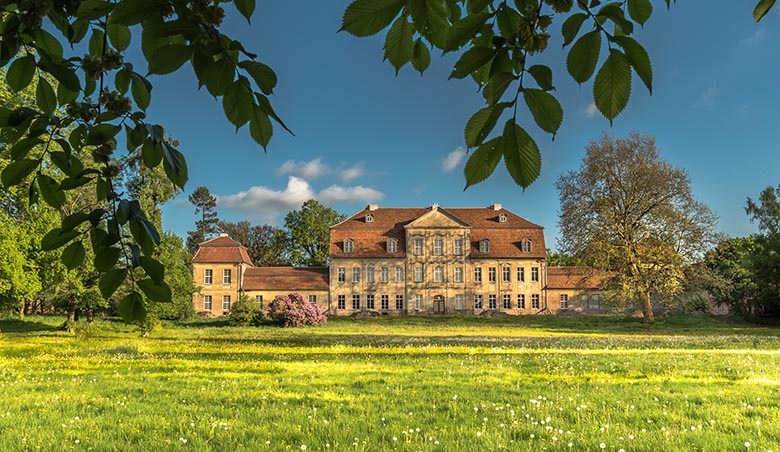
438, 246
492, 301
208, 276
207, 301
506, 301
438, 274
370, 300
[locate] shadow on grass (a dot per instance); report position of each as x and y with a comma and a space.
26, 326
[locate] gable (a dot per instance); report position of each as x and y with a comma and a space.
437, 218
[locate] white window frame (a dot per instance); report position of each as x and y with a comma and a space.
349, 246
399, 302
457, 247
370, 301
355, 274
520, 274
458, 274
535, 301
419, 273
491, 274
418, 246
477, 274
535, 274
342, 302
521, 301
369, 218
506, 301
458, 301
438, 247
226, 299
506, 273
484, 246
355, 302
399, 274
384, 274
527, 246
564, 301
341, 274
502, 218
208, 276
313, 299
418, 301
370, 274
438, 274
392, 245
207, 303
385, 302
478, 301
227, 276
492, 301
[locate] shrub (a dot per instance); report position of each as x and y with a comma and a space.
295, 310
246, 312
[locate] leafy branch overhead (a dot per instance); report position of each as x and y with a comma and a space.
88, 104
499, 40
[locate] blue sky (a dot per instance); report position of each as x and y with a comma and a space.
365, 135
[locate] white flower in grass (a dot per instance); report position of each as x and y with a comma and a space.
303, 446
183, 440
77, 441
603, 446
747, 443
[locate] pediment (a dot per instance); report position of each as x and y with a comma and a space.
437, 218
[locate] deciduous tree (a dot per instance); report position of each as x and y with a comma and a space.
307, 233
264, 243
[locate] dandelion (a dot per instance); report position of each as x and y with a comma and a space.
395, 438
570, 444
183, 440
77, 441
303, 446
747, 443
480, 434
603, 446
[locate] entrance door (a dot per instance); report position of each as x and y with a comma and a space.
438, 304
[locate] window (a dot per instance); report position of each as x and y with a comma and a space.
313, 299
355, 274
507, 298
492, 274
459, 301
527, 246
385, 302
564, 301
370, 301
521, 301
534, 273
458, 276
457, 247
392, 245
438, 247
370, 274
348, 246
418, 273
438, 274
259, 299
418, 301
208, 276
207, 302
418, 247
477, 274
502, 218
520, 274
355, 301
492, 301
506, 274
226, 276
369, 218
342, 274
477, 301
226, 302
384, 274
342, 302
535, 301
484, 246
399, 274
399, 302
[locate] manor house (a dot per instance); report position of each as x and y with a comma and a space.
409, 261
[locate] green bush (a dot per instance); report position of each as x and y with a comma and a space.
246, 312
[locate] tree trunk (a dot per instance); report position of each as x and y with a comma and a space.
70, 325
90, 315
647, 307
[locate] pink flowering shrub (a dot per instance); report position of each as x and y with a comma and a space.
295, 310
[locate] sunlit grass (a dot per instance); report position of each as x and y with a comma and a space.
461, 383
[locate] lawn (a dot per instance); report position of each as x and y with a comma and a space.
417, 384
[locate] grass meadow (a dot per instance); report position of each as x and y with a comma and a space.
407, 384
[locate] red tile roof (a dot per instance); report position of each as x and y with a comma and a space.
221, 250
370, 238
574, 278
286, 279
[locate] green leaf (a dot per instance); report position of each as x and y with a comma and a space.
159, 293
246, 8
94, 9
368, 17
72, 221
497, 85
15, 172
73, 255
66, 75
399, 45
482, 162
545, 108
154, 269
508, 22
168, 57
151, 153
106, 258
96, 42
640, 61
45, 96
119, 35
50, 191
260, 127
141, 94
571, 27
56, 238
612, 86
421, 56
471, 60
131, 308
64, 95
174, 164
265, 106
218, 75
482, 122
262, 74
464, 30
46, 42
640, 10
110, 281
762, 7
102, 133
583, 56
74, 182
543, 76
23, 147
237, 103
521, 154
136, 11
20, 73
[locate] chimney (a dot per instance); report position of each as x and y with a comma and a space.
372, 207
495, 206
223, 234
435, 206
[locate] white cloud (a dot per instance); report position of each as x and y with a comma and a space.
267, 201
590, 110
308, 170
755, 40
336, 193
707, 98
453, 159
353, 172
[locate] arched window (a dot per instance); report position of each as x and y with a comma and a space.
348, 246
502, 218
527, 245
392, 245
369, 218
484, 246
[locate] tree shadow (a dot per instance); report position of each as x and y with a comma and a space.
26, 326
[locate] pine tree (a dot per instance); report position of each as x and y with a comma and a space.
204, 203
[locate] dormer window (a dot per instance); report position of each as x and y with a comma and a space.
484, 246
527, 245
502, 218
369, 218
348, 246
392, 245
